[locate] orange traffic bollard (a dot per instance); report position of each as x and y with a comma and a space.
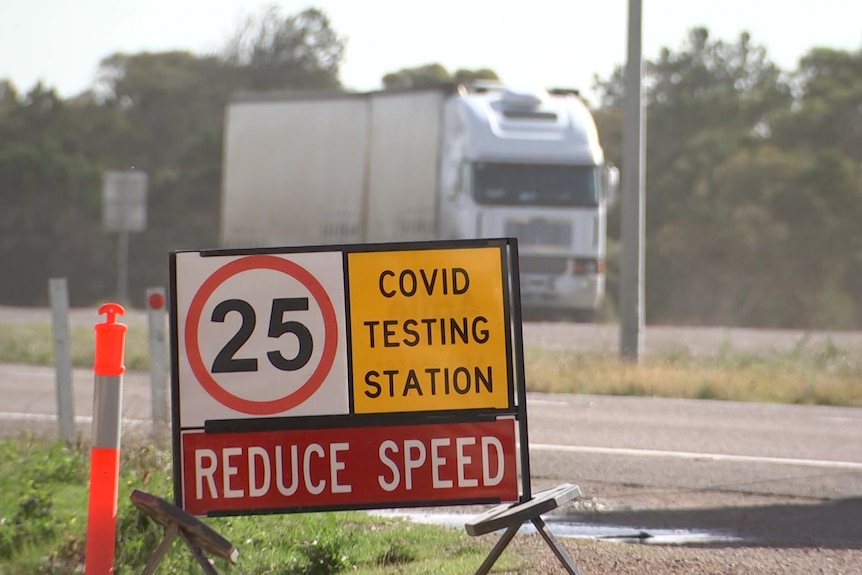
105, 452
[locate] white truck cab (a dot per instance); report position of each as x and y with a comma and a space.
528, 164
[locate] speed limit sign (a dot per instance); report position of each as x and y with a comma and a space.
259, 334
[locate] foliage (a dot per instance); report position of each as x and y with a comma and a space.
274, 52
429, 75
28, 512
28, 524
753, 185
48, 177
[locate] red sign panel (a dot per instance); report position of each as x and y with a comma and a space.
349, 467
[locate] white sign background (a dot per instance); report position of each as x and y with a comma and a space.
259, 287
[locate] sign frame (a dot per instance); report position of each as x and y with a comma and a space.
445, 415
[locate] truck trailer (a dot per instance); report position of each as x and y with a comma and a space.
454, 162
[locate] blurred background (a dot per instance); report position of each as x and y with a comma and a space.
754, 130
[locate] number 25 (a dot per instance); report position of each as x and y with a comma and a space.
225, 362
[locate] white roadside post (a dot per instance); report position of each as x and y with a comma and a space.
156, 315
59, 295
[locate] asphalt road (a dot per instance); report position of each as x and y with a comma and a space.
670, 446
610, 443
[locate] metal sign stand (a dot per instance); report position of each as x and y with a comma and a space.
198, 536
511, 516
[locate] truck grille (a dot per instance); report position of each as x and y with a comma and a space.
542, 265
537, 232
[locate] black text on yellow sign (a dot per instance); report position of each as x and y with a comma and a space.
428, 330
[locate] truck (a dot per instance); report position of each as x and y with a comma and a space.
483, 160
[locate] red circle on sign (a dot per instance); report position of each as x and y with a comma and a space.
330, 340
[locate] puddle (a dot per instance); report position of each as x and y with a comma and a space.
622, 534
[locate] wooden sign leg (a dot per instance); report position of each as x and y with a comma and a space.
196, 534
497, 550
555, 546
511, 517
198, 554
170, 534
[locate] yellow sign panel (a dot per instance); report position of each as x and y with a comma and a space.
428, 330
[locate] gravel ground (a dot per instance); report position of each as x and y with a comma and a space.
772, 536
608, 558
752, 534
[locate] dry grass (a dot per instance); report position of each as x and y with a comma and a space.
34, 344
827, 376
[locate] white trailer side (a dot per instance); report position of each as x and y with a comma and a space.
333, 168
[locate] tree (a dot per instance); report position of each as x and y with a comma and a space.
274, 52
825, 126
827, 113
704, 103
430, 75
165, 99
8, 97
427, 75
466, 75
50, 193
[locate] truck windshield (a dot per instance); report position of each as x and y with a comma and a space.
536, 184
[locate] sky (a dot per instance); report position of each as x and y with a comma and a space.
550, 43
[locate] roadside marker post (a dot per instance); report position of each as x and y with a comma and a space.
156, 314
59, 295
105, 452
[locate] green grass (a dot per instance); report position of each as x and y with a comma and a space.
43, 526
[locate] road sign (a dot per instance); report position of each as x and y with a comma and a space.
364, 376
261, 335
429, 330
349, 467
124, 201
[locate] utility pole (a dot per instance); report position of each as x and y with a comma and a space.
632, 201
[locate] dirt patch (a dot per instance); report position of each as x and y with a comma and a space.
762, 535
752, 519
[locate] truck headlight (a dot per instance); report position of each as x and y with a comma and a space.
589, 266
